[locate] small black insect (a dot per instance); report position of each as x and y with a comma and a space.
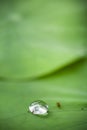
58, 104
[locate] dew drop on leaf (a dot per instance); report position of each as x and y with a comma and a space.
38, 108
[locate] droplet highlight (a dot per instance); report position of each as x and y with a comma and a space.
38, 108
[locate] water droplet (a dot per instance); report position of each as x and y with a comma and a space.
38, 108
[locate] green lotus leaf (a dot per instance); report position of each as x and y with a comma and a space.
43, 38
38, 37
68, 87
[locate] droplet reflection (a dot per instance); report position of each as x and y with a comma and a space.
38, 108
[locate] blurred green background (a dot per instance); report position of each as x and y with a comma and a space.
43, 57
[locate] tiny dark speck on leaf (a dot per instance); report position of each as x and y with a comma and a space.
58, 104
